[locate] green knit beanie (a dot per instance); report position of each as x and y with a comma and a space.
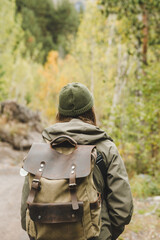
74, 99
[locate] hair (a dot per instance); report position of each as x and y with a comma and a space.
88, 117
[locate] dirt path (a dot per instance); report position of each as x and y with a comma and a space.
10, 192
145, 224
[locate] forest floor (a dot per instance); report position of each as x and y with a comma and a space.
145, 224
10, 191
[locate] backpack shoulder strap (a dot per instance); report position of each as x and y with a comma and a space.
102, 167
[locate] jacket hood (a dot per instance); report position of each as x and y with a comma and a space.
82, 132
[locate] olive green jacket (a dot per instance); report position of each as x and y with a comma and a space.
117, 207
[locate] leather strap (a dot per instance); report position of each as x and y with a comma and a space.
102, 167
72, 187
36, 184
97, 203
63, 138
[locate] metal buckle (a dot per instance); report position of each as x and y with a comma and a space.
72, 185
35, 180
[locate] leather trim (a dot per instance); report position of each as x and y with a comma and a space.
36, 184
97, 203
55, 212
58, 166
72, 187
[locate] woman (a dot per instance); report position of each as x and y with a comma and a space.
76, 118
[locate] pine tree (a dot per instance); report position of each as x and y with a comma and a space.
47, 26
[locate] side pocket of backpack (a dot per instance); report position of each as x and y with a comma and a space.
30, 226
96, 215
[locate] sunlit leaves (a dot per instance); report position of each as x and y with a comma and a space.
53, 80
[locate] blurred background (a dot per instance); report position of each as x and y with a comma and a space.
111, 46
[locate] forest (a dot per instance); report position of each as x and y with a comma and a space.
111, 46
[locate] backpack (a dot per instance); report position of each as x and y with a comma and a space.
63, 202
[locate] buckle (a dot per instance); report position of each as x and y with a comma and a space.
72, 185
36, 184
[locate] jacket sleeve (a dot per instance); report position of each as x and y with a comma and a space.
119, 198
25, 192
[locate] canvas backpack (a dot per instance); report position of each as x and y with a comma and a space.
63, 202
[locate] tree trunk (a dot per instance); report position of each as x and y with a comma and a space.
123, 69
92, 67
145, 34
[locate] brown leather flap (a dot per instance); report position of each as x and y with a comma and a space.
55, 213
58, 165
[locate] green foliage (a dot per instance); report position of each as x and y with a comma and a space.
47, 26
158, 212
2, 85
144, 185
11, 34
135, 119
140, 15
18, 75
137, 123
89, 52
